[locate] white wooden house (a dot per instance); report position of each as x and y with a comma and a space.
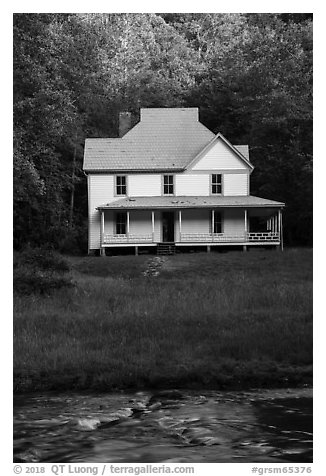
170, 180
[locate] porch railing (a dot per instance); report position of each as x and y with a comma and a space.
131, 238
263, 236
211, 237
225, 238
196, 238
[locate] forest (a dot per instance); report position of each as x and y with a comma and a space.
250, 75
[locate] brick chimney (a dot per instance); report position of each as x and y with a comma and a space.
124, 123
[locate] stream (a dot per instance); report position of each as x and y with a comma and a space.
164, 427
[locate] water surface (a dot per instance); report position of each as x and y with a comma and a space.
178, 426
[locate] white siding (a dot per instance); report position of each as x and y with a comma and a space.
144, 185
199, 221
220, 156
195, 221
235, 184
233, 222
158, 226
109, 222
100, 192
140, 222
191, 185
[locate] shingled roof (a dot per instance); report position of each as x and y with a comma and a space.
164, 139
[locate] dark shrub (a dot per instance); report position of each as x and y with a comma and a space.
40, 270
29, 280
75, 242
43, 258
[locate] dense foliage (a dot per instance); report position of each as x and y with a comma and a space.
250, 75
40, 271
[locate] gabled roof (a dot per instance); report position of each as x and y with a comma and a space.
138, 203
165, 139
238, 150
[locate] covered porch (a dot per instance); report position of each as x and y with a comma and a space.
191, 221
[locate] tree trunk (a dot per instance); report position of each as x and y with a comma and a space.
72, 194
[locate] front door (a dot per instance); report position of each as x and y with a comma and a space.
168, 226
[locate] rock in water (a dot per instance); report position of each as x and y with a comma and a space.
155, 406
88, 424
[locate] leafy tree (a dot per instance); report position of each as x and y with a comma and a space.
250, 74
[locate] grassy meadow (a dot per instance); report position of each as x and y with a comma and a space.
208, 320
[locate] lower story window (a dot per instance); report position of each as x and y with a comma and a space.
217, 222
121, 223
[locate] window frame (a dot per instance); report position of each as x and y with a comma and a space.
120, 223
216, 184
168, 185
116, 186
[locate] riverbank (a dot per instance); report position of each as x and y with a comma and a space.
217, 320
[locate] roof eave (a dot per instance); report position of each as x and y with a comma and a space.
179, 206
135, 171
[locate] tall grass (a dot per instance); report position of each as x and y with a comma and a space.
207, 319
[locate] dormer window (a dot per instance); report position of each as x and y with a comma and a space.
121, 185
216, 184
168, 184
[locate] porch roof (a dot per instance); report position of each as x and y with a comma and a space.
146, 203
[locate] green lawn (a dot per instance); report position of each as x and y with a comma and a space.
208, 320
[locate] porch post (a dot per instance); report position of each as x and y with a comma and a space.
246, 222
280, 225
128, 221
245, 228
102, 250
153, 225
180, 224
213, 221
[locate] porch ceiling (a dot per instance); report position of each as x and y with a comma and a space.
151, 203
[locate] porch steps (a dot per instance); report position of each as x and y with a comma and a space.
166, 249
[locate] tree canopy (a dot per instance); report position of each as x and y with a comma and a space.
249, 74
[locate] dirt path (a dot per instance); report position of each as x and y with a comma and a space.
154, 265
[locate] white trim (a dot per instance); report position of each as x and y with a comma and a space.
214, 171
153, 225
102, 227
128, 223
281, 229
213, 220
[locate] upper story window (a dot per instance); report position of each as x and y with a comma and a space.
121, 185
216, 184
168, 185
